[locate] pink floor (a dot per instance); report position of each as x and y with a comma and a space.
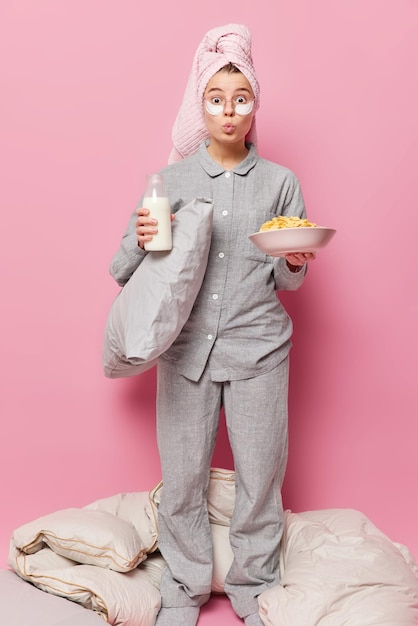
218, 612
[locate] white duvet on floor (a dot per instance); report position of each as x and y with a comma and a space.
22, 604
340, 570
337, 568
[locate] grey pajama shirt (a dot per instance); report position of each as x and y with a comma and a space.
232, 352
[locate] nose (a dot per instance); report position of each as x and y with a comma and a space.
229, 108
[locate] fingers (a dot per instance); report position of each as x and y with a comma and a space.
145, 226
308, 256
300, 258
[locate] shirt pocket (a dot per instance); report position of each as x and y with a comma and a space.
253, 223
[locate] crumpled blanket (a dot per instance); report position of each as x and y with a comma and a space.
101, 556
104, 556
336, 567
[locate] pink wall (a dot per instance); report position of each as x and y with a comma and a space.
89, 91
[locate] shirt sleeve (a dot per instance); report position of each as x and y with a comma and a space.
285, 279
129, 255
294, 205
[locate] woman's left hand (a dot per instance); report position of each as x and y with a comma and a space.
298, 259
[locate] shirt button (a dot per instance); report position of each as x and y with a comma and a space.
215, 296
210, 337
227, 174
224, 212
221, 255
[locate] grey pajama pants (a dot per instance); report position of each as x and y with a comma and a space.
187, 423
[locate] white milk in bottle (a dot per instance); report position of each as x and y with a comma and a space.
156, 200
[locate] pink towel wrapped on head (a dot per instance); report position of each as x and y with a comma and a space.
219, 47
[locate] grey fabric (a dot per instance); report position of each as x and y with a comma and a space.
253, 620
234, 345
184, 616
21, 604
237, 317
152, 308
187, 421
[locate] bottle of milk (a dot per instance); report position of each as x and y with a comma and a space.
156, 200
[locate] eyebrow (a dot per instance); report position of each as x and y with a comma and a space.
236, 90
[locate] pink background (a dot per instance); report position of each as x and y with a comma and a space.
89, 91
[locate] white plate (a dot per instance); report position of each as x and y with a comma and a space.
281, 241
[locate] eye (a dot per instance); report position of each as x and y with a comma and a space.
240, 100
214, 106
244, 107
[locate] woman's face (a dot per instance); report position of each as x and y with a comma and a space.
230, 123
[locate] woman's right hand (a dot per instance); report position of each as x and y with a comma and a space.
145, 226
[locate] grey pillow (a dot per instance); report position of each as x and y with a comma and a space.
148, 314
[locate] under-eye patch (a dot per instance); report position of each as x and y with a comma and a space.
216, 106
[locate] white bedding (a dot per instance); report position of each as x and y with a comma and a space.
340, 570
84, 555
22, 604
337, 568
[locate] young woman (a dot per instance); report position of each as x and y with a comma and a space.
233, 351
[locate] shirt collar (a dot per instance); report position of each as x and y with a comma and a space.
213, 168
